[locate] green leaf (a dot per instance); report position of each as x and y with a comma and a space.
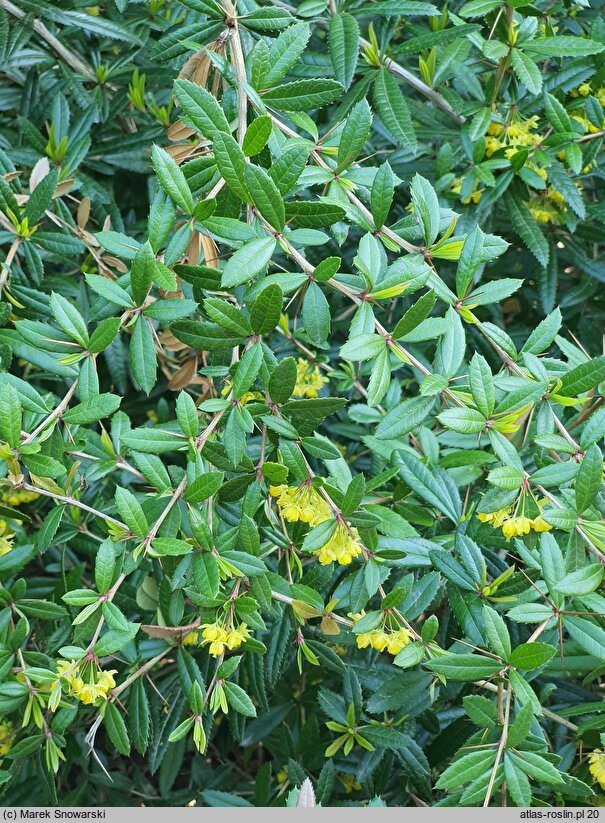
116, 728
380, 378
530, 656
426, 207
343, 41
581, 582
170, 546
69, 318
316, 314
265, 196
285, 51
465, 769
587, 635
463, 421
526, 70
103, 405
141, 273
482, 385
131, 512
404, 418
201, 108
10, 416
282, 380
537, 767
496, 632
105, 563
301, 95
589, 478
109, 290
527, 229
204, 487
266, 309
248, 261
415, 315
516, 783
172, 179
465, 667
582, 378
564, 46
257, 135
142, 355
247, 370
231, 163
392, 109
41, 197
139, 717
557, 115
227, 316
363, 347
187, 414
239, 700
382, 194
469, 261
544, 333
354, 134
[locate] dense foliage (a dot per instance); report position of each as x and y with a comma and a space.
301, 404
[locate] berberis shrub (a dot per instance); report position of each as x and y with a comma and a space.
301, 402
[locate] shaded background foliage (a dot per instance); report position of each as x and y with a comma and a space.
86, 91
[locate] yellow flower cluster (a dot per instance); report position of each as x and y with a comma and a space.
246, 396
7, 736
302, 503
349, 783
512, 137
218, 638
597, 767
6, 538
15, 497
549, 205
87, 682
342, 546
584, 90
381, 639
309, 380
474, 196
514, 525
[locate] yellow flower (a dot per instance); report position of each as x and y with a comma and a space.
475, 195
398, 640
235, 637
282, 775
542, 211
302, 503
584, 89
191, 639
380, 639
597, 767
495, 518
513, 525
94, 11
309, 379
539, 524
218, 639
152, 415
246, 396
87, 682
7, 736
341, 548
6, 544
376, 638
349, 783
15, 497
516, 526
